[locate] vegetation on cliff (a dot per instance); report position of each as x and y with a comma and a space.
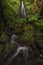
29, 29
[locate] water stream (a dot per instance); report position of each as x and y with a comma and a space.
14, 38
23, 11
18, 51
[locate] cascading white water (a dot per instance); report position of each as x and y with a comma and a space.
18, 50
13, 38
23, 10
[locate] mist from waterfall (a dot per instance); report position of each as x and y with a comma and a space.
23, 9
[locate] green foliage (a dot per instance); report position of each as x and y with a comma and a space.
39, 25
26, 31
3, 37
27, 37
21, 20
34, 17
29, 28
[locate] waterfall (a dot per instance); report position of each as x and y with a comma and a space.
18, 50
14, 38
23, 10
